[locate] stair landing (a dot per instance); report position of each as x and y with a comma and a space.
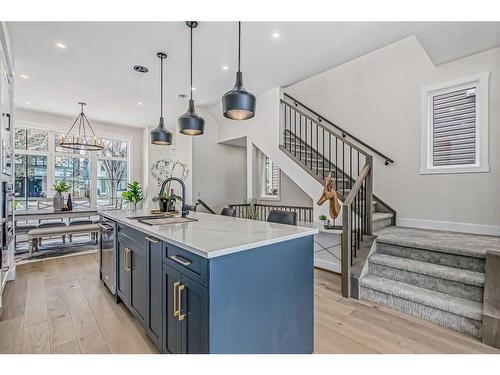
446, 242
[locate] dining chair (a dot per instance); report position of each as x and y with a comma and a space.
282, 217
228, 212
81, 203
47, 204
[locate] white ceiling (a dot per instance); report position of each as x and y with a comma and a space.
97, 65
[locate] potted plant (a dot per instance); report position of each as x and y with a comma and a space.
133, 195
323, 219
61, 187
167, 201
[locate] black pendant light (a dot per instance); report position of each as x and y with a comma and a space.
161, 135
190, 123
238, 104
85, 139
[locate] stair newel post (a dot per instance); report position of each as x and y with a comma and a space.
345, 248
369, 196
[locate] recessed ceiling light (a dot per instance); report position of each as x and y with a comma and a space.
28, 103
225, 67
193, 88
61, 45
24, 76
140, 103
276, 35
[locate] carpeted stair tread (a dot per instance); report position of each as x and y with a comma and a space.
436, 300
378, 216
430, 269
464, 244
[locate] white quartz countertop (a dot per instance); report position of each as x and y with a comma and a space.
213, 235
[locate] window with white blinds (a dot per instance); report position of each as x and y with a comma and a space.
272, 178
455, 126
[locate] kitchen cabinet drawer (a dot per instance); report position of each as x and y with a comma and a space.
192, 265
132, 235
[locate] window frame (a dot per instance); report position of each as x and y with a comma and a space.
264, 195
480, 82
92, 156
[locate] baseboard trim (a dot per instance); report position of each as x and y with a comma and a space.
490, 230
329, 266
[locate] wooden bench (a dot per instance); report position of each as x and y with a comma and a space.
35, 234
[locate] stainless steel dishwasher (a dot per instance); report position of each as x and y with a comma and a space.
107, 254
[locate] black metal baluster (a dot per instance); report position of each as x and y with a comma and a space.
351, 178
300, 137
336, 162
343, 169
284, 131
330, 153
295, 133
323, 153
350, 233
305, 136
317, 147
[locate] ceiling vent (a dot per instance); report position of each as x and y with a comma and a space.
141, 69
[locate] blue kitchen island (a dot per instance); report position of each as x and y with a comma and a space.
217, 284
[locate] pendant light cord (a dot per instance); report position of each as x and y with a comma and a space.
191, 62
161, 87
239, 44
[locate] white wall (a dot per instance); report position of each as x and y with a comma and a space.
291, 194
377, 98
50, 121
219, 170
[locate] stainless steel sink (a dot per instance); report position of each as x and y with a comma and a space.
154, 216
166, 220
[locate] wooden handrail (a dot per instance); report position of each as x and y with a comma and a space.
357, 185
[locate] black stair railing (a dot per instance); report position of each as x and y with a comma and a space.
321, 151
344, 133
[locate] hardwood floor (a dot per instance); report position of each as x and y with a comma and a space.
60, 306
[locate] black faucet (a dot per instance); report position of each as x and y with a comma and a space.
184, 208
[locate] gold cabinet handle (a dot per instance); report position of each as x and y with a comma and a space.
183, 261
176, 310
181, 316
126, 259
151, 239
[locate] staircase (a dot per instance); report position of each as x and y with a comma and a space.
433, 275
320, 147
319, 166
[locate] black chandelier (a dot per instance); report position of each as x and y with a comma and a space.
238, 104
190, 123
161, 135
85, 139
